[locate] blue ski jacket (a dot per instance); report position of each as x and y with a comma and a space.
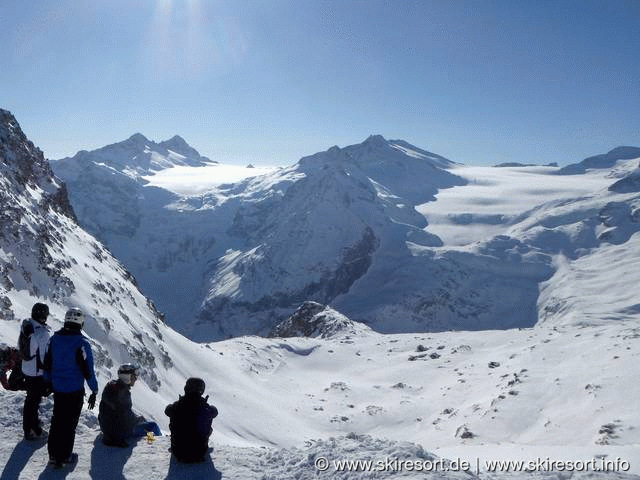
69, 362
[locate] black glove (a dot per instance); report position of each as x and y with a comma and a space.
91, 402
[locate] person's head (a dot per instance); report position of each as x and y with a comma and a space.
194, 386
40, 312
128, 374
74, 319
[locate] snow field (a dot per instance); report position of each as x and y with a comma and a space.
519, 394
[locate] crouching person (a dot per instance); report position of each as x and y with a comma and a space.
10, 361
190, 420
118, 422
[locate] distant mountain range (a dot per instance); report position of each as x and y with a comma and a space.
137, 156
339, 227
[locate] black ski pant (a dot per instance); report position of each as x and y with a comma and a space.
67, 407
30, 416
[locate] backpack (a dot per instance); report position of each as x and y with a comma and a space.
24, 340
10, 360
16, 380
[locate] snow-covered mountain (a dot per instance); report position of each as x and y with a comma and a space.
306, 232
367, 229
106, 184
137, 156
560, 391
603, 161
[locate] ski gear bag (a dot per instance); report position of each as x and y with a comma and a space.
16, 380
24, 340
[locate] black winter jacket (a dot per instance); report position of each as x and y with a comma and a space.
190, 420
116, 417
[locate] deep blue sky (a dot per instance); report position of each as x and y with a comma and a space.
479, 82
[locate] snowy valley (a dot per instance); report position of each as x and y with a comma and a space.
476, 313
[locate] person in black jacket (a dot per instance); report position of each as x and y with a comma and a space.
117, 420
190, 420
33, 344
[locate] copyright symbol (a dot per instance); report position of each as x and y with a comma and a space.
322, 464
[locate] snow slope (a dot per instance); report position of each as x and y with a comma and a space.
552, 393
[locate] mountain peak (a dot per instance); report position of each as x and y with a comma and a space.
176, 139
179, 145
24, 163
138, 136
376, 140
6, 117
138, 155
19, 155
137, 139
625, 153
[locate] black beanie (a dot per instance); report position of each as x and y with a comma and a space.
194, 386
40, 312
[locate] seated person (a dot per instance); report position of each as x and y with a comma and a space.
117, 420
190, 421
10, 361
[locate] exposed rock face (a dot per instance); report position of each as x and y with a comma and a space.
25, 166
31, 196
313, 319
45, 256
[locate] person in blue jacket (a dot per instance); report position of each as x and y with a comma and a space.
68, 364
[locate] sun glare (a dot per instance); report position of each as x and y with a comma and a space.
190, 39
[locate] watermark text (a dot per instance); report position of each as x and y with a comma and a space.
540, 464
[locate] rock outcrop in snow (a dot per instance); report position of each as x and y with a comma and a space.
313, 319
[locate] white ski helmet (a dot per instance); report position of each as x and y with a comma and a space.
128, 373
74, 315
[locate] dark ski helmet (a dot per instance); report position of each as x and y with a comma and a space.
194, 386
128, 373
40, 312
